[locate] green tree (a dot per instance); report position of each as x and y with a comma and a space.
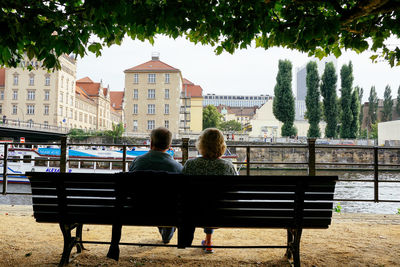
398, 102
355, 110
372, 107
328, 92
313, 112
47, 30
387, 104
283, 105
360, 92
231, 125
116, 132
211, 117
346, 76
374, 131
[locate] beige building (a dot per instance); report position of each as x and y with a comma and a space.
192, 107
55, 98
389, 133
152, 97
39, 96
265, 125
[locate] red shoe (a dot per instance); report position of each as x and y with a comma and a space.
208, 249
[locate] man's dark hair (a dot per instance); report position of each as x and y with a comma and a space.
161, 138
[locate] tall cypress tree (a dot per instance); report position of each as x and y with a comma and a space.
355, 109
346, 75
283, 105
313, 112
328, 92
372, 107
387, 104
360, 92
398, 102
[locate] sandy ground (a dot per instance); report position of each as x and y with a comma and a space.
351, 240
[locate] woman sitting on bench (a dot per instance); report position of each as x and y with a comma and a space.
211, 145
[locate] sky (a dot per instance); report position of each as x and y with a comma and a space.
251, 71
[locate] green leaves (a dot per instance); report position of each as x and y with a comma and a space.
316, 27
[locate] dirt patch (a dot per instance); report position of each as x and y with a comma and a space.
351, 240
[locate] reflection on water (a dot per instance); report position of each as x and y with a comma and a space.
355, 190
344, 190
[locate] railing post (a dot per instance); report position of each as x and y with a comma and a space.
311, 156
5, 178
185, 150
63, 155
248, 160
124, 158
376, 176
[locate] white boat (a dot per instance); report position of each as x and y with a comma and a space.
95, 160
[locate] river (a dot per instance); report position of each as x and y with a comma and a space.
344, 190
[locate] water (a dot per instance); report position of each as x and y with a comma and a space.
344, 190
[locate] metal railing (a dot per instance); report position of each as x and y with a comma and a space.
310, 149
10, 123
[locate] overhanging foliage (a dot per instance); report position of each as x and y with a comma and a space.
48, 29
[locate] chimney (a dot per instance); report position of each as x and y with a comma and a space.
155, 56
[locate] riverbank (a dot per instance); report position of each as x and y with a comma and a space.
351, 240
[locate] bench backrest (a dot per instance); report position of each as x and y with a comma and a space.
154, 199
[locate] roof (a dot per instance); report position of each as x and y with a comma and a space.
192, 89
85, 80
90, 87
2, 77
153, 65
186, 81
80, 92
116, 99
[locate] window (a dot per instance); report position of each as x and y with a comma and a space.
61, 111
1, 94
166, 124
167, 78
150, 124
166, 109
15, 95
1, 109
135, 108
32, 80
151, 109
71, 113
80, 117
31, 95
135, 78
47, 81
46, 124
135, 93
46, 109
14, 109
30, 109
135, 126
62, 81
151, 78
71, 100
46, 95
15, 79
151, 93
166, 92
61, 97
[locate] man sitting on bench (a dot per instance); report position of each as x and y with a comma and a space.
157, 159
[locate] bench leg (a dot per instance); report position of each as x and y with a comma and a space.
79, 246
69, 243
294, 237
113, 251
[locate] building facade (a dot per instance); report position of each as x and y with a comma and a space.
235, 100
192, 107
152, 97
39, 96
54, 98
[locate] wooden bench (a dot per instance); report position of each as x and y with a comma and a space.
160, 199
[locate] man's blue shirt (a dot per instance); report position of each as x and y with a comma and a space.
156, 161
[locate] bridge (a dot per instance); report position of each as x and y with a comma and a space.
32, 132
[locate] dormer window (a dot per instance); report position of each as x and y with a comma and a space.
15, 81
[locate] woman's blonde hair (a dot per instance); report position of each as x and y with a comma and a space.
211, 143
